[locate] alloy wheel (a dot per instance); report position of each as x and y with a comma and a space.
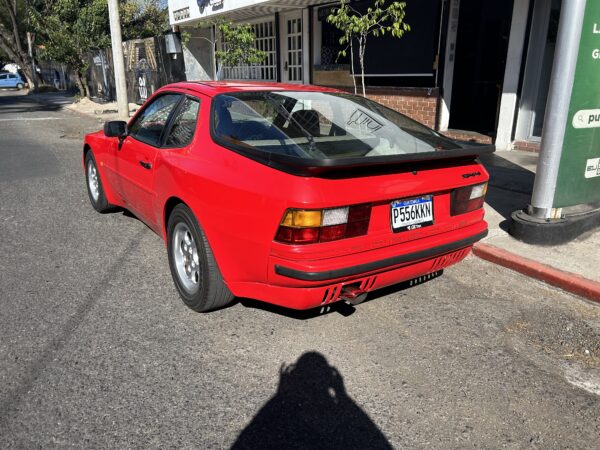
185, 255
92, 175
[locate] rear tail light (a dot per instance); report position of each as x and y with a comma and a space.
301, 226
467, 199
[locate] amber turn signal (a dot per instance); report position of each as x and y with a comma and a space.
300, 226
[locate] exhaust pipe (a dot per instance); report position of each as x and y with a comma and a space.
353, 295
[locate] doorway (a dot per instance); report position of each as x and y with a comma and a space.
481, 48
292, 54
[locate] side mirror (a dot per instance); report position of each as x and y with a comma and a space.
115, 128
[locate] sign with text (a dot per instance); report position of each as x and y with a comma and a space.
578, 181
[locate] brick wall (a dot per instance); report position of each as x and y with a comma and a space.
528, 146
469, 136
417, 103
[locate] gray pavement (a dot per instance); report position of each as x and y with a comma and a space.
97, 350
511, 182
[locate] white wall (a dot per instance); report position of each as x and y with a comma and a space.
215, 7
197, 55
449, 65
508, 102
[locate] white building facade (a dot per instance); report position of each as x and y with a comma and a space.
478, 68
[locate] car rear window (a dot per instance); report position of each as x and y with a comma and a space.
318, 125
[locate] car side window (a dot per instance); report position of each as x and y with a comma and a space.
3, 77
12, 76
149, 125
183, 124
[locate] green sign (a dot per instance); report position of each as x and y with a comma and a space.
579, 172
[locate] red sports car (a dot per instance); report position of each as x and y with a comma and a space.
295, 195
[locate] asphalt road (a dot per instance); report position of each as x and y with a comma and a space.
97, 350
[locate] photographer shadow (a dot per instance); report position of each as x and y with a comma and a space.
311, 409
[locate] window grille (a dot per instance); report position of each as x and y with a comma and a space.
266, 70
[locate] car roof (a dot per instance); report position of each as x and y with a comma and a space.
212, 88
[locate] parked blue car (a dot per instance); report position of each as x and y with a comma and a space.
11, 80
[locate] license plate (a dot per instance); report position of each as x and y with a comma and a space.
412, 213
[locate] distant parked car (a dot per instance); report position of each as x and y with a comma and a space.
11, 80
294, 195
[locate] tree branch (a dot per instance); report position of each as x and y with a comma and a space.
7, 49
12, 12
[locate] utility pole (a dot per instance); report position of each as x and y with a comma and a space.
557, 111
566, 190
117, 51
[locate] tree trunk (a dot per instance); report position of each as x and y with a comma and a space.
10, 43
64, 78
80, 85
361, 55
31, 81
20, 58
12, 12
214, 52
216, 74
36, 76
86, 87
352, 66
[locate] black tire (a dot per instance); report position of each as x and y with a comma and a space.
210, 291
20, 86
99, 202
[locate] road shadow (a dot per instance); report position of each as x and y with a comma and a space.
510, 186
17, 109
17, 103
311, 410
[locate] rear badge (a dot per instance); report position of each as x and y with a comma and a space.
412, 213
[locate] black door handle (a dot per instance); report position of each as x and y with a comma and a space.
146, 165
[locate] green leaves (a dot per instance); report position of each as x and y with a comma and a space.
69, 29
378, 19
142, 19
239, 45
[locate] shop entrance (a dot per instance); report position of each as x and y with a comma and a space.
481, 47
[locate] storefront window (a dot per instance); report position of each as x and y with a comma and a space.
389, 61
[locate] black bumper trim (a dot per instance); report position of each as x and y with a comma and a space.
381, 264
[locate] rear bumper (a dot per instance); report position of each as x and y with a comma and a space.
310, 284
380, 264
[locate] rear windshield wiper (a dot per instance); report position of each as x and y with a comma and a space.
312, 146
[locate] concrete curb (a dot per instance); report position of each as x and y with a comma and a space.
567, 281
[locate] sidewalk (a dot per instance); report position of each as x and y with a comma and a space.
104, 111
573, 266
107, 111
